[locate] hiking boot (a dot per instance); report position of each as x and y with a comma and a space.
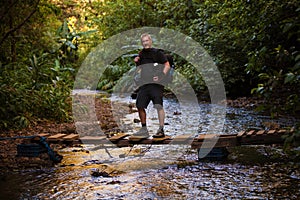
159, 134
143, 132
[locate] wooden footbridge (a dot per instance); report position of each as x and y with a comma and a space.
211, 142
250, 137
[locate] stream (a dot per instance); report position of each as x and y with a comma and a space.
164, 171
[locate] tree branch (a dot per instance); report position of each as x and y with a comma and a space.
7, 9
19, 25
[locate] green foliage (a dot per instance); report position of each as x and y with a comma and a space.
113, 17
115, 73
191, 74
252, 42
278, 64
36, 84
69, 39
37, 90
293, 141
255, 45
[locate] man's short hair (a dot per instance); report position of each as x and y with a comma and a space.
146, 35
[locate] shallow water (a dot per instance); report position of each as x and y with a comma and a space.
160, 172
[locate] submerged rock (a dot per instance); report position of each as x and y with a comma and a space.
97, 173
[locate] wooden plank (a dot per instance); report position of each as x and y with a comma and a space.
271, 131
228, 141
252, 132
282, 131
261, 132
71, 137
206, 136
130, 143
137, 138
262, 140
43, 134
161, 139
94, 139
241, 133
183, 137
228, 135
118, 137
56, 137
38, 137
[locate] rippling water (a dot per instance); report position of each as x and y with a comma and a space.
161, 172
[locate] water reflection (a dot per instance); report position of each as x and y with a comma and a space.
159, 172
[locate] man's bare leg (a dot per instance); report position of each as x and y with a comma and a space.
142, 115
161, 117
143, 131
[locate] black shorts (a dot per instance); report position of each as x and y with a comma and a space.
150, 92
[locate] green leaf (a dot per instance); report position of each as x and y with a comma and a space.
70, 44
297, 57
264, 76
57, 63
87, 32
289, 77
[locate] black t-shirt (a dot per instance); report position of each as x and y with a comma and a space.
152, 55
152, 64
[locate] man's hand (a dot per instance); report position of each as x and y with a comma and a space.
136, 59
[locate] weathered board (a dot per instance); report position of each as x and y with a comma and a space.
71, 137
251, 137
241, 133
56, 137
157, 140
137, 138
261, 132
118, 137
93, 139
183, 139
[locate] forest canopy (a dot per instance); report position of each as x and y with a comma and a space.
255, 45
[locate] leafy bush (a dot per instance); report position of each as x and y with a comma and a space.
39, 90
